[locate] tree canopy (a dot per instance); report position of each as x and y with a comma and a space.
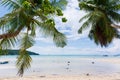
21, 23
101, 17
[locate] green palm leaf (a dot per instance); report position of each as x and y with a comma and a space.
114, 16
48, 29
85, 6
116, 7
10, 4
59, 4
23, 61
7, 43
27, 16
27, 41
101, 15
59, 39
93, 17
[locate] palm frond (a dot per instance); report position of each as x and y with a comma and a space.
59, 4
115, 7
40, 15
93, 17
85, 26
47, 8
7, 43
33, 29
23, 61
11, 34
27, 41
114, 16
85, 17
48, 29
10, 4
101, 37
5, 20
86, 7
102, 33
103, 14
114, 2
59, 39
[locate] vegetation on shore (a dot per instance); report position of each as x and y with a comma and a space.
16, 52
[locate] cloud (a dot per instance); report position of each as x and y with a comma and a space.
115, 48
58, 51
73, 15
52, 50
70, 28
73, 50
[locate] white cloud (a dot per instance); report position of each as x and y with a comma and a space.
70, 28
73, 14
115, 48
44, 39
56, 51
73, 50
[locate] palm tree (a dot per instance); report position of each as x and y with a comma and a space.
19, 27
101, 17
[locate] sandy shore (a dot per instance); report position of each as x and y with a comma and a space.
85, 76
63, 77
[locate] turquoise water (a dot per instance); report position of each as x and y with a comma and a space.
61, 65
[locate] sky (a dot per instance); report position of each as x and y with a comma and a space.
77, 44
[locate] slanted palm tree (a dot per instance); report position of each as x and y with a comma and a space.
101, 16
19, 27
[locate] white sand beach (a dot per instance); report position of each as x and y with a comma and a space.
63, 77
92, 72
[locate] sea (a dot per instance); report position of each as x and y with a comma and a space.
60, 65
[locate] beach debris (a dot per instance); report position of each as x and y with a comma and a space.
42, 76
87, 74
67, 68
105, 55
68, 61
93, 62
54, 74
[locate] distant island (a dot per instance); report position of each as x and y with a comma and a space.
16, 52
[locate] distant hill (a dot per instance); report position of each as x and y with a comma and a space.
15, 52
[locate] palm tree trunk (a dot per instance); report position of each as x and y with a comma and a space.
9, 35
